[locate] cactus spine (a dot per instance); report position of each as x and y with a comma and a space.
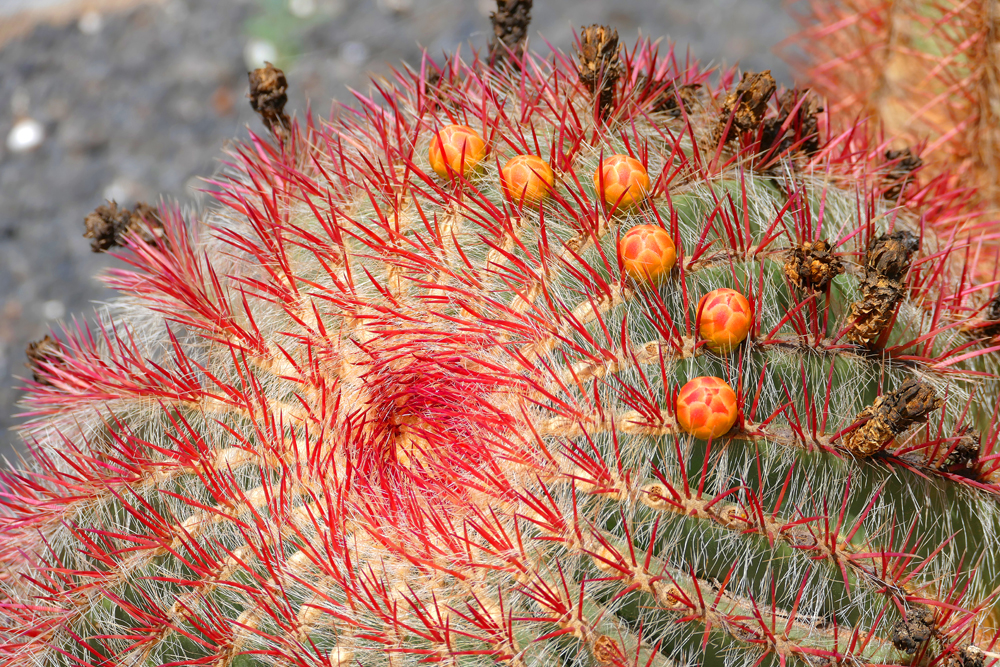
378, 408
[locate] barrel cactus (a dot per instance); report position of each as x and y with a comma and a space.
589, 359
927, 71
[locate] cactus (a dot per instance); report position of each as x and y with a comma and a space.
681, 385
927, 72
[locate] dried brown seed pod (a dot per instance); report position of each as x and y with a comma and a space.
104, 226
900, 173
813, 266
510, 30
908, 634
600, 65
145, 220
44, 351
746, 105
673, 100
607, 651
887, 262
108, 224
970, 656
268, 96
965, 452
802, 129
890, 415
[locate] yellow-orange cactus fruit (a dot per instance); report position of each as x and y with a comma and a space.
621, 180
726, 316
706, 407
528, 177
648, 253
456, 150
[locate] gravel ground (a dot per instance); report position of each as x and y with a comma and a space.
138, 104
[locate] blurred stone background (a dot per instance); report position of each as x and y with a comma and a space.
134, 100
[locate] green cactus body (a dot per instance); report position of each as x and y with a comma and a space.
363, 414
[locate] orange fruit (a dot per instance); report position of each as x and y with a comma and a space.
622, 181
706, 407
527, 178
725, 319
648, 253
456, 150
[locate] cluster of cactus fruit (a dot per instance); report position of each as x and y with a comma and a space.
531, 361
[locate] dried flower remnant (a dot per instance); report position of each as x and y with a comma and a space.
890, 415
964, 452
607, 651
989, 325
803, 107
745, 107
673, 100
44, 351
600, 65
510, 30
104, 224
900, 172
108, 224
970, 656
910, 633
813, 266
268, 96
882, 288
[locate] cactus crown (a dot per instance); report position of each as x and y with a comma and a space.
381, 407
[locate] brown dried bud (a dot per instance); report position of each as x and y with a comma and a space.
900, 173
890, 415
268, 96
746, 105
813, 266
108, 225
970, 656
992, 315
510, 30
965, 451
886, 265
44, 351
146, 221
890, 255
804, 126
673, 100
104, 226
992, 311
910, 633
607, 651
871, 316
599, 65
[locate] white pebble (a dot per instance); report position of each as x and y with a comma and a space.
118, 190
258, 52
302, 8
53, 310
395, 6
354, 53
27, 134
90, 23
